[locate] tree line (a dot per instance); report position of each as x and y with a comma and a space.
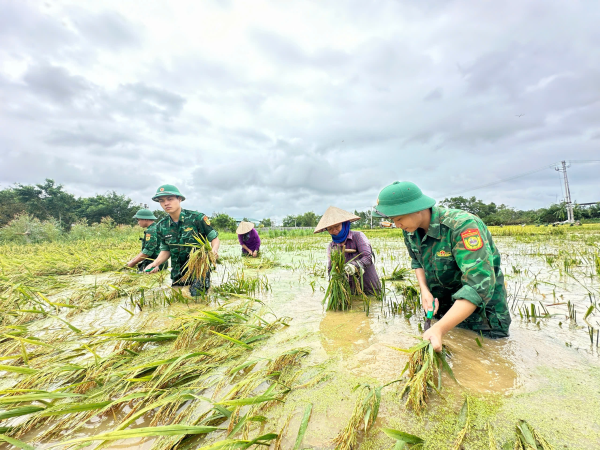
50, 201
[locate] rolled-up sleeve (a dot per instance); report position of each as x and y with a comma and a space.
475, 260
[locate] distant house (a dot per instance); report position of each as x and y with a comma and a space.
256, 222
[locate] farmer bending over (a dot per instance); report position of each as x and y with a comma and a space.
249, 239
356, 248
150, 250
177, 230
455, 260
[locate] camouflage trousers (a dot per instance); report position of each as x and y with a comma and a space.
490, 324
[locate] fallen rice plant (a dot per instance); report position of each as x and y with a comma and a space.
363, 416
424, 367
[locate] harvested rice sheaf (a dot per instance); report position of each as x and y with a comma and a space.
200, 262
424, 367
337, 296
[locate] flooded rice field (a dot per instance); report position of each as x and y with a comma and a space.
98, 357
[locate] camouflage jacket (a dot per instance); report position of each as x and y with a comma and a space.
150, 245
173, 236
461, 261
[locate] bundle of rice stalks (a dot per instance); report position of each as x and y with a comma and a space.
365, 413
398, 274
337, 296
529, 439
424, 366
200, 262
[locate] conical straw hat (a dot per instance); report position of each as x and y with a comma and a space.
333, 216
244, 227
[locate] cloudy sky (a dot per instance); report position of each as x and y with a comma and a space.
272, 108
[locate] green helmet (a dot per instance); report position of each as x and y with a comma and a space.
400, 198
167, 189
144, 214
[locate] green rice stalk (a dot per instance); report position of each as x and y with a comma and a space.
303, 426
168, 430
463, 423
337, 296
15, 442
529, 439
365, 413
424, 367
403, 438
200, 262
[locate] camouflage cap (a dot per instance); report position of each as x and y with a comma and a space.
144, 214
165, 190
400, 198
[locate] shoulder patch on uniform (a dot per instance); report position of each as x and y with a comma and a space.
188, 229
148, 236
206, 219
443, 253
472, 239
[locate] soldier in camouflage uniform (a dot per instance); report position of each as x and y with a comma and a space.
179, 229
150, 250
455, 260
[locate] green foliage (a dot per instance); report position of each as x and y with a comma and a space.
49, 201
267, 222
493, 214
25, 229
223, 222
308, 219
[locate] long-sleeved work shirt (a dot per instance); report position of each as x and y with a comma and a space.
461, 261
363, 258
253, 242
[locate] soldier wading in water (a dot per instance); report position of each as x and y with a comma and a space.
177, 230
150, 249
455, 261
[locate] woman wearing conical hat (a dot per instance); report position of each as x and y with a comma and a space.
356, 246
248, 238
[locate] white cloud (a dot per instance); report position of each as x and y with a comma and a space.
268, 108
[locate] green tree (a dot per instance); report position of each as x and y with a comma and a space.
48, 200
10, 206
223, 222
291, 221
267, 222
118, 207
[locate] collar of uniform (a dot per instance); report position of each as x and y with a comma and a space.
181, 217
434, 224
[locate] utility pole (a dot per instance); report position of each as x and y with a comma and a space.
371, 217
568, 202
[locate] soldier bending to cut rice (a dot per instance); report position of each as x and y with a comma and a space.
455, 260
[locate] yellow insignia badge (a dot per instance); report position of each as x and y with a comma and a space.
147, 237
378, 200
187, 229
206, 219
443, 253
472, 239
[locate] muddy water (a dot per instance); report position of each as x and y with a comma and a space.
546, 372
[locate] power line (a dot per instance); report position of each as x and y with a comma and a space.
550, 166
